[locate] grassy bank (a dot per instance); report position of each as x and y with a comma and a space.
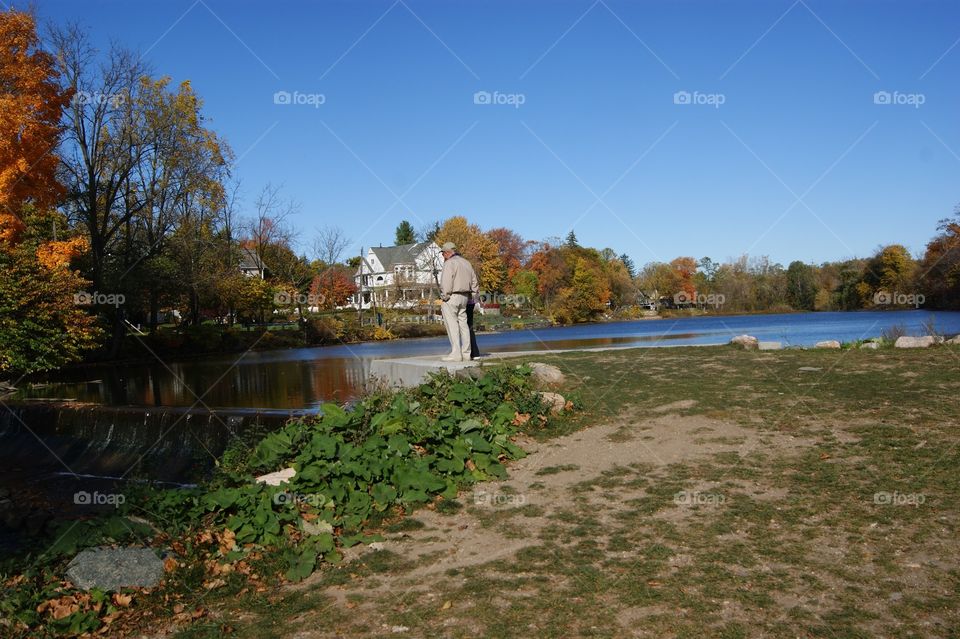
703, 492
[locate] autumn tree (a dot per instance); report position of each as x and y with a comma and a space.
551, 270
684, 269
31, 104
585, 298
940, 267
41, 325
892, 270
334, 287
513, 249
477, 247
182, 169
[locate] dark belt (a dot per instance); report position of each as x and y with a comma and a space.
467, 293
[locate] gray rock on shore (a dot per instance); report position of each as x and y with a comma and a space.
870, 346
906, 341
830, 343
115, 568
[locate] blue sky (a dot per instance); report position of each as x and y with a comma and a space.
798, 162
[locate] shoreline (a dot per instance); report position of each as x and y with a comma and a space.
192, 357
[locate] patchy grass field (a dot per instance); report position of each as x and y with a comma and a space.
703, 492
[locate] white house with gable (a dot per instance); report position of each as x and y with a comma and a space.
405, 276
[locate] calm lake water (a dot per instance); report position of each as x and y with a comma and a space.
304, 378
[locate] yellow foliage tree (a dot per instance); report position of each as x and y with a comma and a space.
477, 247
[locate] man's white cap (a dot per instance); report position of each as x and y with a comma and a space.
448, 246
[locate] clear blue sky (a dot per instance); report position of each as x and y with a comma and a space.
597, 79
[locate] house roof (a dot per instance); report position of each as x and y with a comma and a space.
249, 260
391, 256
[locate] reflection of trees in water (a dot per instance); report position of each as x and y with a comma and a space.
291, 384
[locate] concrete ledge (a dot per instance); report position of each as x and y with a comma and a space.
412, 371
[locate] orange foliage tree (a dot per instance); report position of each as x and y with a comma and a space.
31, 103
41, 325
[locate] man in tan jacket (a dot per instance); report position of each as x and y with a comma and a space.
458, 284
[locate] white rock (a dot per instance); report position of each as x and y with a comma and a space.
555, 401
905, 341
872, 346
747, 342
770, 346
277, 478
830, 343
316, 527
953, 340
546, 375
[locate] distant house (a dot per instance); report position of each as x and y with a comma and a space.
250, 264
403, 276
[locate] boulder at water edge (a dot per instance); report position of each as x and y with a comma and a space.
905, 341
115, 568
872, 346
830, 343
748, 342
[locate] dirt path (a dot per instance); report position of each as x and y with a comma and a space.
541, 484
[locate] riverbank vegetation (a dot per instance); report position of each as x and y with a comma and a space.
357, 470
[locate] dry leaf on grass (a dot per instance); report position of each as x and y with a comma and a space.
121, 600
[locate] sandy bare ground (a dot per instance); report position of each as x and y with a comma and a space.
451, 544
